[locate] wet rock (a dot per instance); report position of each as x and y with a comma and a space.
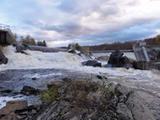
101, 77
74, 48
117, 59
5, 91
18, 110
79, 50
10, 116
11, 106
21, 48
93, 63
27, 90
103, 58
3, 59
28, 112
34, 78
74, 51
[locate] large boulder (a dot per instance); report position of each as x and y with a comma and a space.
93, 63
20, 48
27, 90
117, 59
18, 110
75, 48
114, 58
8, 112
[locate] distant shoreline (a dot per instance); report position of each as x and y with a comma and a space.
109, 51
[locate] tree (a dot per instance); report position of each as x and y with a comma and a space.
158, 39
28, 40
42, 43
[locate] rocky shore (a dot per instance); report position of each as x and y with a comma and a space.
81, 100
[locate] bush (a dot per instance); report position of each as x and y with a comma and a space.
50, 95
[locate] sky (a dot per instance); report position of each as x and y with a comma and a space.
88, 22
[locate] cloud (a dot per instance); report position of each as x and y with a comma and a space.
136, 32
69, 30
122, 13
87, 21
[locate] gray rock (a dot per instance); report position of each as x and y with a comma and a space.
93, 63
27, 90
123, 112
138, 109
117, 59
21, 48
115, 103
122, 90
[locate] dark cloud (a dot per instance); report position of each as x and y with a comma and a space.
88, 21
135, 32
69, 30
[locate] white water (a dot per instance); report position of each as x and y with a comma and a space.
130, 55
64, 60
37, 59
5, 99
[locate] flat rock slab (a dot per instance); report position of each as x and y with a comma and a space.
91, 101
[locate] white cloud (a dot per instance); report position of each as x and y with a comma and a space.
96, 16
126, 12
58, 43
47, 35
75, 18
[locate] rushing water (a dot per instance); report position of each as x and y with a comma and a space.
130, 55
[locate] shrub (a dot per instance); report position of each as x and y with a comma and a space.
50, 95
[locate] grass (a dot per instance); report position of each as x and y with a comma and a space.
50, 95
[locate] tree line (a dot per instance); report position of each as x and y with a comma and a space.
125, 45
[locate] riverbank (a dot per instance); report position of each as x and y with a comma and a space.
25, 76
15, 80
